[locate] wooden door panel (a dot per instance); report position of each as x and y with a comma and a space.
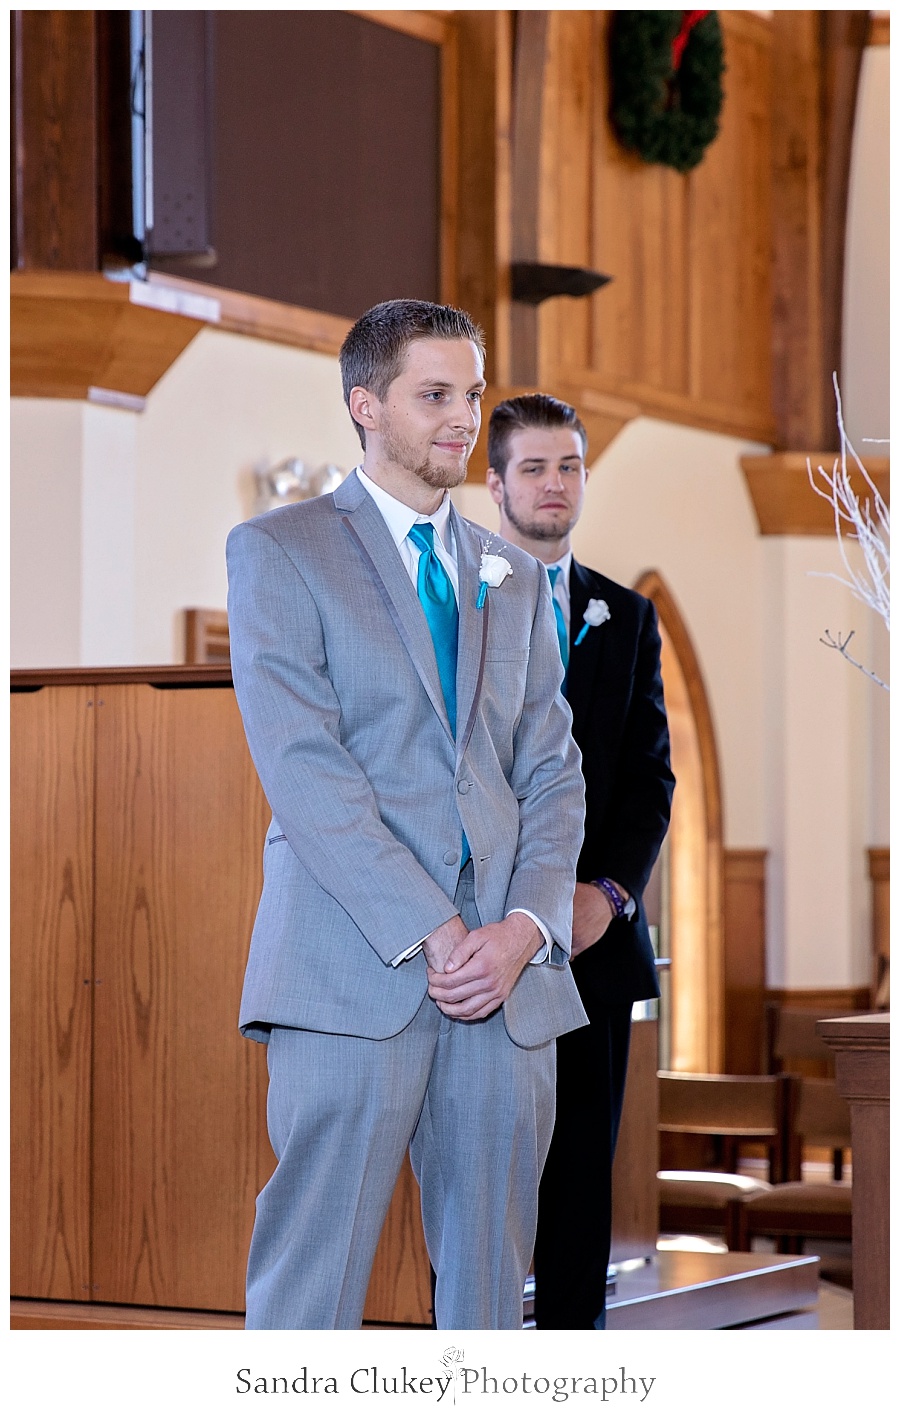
180, 1143
51, 804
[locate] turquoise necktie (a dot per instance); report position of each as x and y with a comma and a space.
439, 601
561, 631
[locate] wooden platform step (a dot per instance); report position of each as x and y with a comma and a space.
677, 1291
673, 1291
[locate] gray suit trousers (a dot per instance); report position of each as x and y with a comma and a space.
476, 1112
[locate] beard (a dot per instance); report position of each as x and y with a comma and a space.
400, 452
542, 527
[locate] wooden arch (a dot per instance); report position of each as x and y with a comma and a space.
695, 875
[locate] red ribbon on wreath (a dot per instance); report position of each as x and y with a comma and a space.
691, 18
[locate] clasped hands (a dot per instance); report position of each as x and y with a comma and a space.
471, 974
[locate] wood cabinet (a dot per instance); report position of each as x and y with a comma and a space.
138, 1134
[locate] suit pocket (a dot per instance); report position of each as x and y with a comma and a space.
507, 653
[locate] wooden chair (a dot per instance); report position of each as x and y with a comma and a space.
731, 1109
822, 1121
206, 641
699, 1201
792, 1213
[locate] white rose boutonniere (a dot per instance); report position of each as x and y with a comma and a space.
494, 570
596, 614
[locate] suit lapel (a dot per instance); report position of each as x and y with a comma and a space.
473, 630
368, 530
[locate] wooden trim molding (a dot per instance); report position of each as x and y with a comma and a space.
744, 957
695, 834
420, 24
830, 1001
879, 27
861, 1047
74, 332
258, 316
785, 502
26, 1314
880, 878
121, 676
669, 405
82, 335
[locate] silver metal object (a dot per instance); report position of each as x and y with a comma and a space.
293, 481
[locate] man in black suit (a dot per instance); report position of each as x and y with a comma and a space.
610, 648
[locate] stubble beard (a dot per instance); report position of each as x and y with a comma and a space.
549, 530
436, 476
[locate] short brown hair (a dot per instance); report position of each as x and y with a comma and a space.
374, 348
528, 412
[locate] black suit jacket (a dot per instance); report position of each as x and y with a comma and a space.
614, 687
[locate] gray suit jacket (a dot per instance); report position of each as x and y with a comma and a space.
337, 682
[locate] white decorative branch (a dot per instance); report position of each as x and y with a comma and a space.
867, 523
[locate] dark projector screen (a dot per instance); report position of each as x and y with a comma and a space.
323, 155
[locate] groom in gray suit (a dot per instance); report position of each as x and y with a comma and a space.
409, 962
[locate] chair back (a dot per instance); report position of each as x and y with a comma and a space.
759, 1108
822, 1120
206, 639
792, 1042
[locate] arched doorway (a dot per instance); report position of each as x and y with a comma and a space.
691, 866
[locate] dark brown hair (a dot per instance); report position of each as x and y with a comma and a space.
528, 412
374, 348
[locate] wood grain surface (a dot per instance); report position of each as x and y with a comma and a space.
51, 803
180, 1147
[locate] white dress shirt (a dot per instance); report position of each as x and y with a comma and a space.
561, 590
400, 519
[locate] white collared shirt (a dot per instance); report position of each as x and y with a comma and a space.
561, 590
400, 519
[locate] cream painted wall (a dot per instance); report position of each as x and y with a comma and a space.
45, 543
228, 403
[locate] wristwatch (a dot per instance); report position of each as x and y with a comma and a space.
622, 907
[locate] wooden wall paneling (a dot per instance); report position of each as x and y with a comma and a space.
400, 1285
796, 162
880, 876
55, 139
684, 328
844, 36
527, 197
565, 162
817, 56
744, 932
51, 850
640, 236
730, 233
180, 1148
830, 1001
479, 115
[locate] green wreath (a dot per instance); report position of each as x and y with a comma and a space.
666, 70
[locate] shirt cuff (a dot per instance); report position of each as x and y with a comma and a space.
544, 953
409, 952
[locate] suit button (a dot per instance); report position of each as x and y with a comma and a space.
450, 857
464, 786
